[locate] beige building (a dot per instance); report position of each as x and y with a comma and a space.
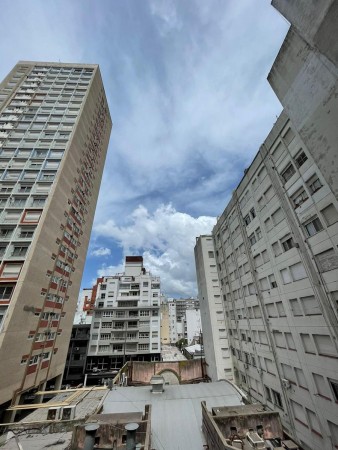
214, 328
165, 331
54, 132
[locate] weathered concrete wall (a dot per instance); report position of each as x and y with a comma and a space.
305, 82
141, 372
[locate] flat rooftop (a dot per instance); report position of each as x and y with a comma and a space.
176, 416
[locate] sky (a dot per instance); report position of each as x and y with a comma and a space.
187, 91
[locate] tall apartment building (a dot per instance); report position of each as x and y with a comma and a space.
54, 132
174, 336
276, 251
126, 322
215, 333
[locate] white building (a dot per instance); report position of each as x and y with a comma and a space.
215, 336
126, 321
192, 325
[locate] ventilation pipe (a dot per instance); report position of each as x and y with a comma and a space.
91, 430
131, 435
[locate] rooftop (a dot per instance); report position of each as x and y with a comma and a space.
176, 414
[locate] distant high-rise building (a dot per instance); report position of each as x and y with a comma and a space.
215, 334
54, 132
126, 320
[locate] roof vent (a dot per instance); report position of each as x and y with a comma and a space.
157, 384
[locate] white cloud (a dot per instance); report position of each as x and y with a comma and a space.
101, 251
166, 11
166, 238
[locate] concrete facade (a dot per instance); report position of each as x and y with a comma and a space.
304, 77
192, 324
126, 321
215, 335
276, 252
165, 331
54, 132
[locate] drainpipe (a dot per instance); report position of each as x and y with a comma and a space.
131, 435
91, 430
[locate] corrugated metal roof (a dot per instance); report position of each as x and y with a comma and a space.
176, 416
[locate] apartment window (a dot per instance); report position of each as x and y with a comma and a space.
6, 291
277, 399
313, 421
321, 386
268, 394
11, 270
280, 309
300, 158
310, 305
47, 176
258, 234
247, 220
314, 184
289, 136
252, 213
334, 433
298, 271
211, 254
276, 249
308, 344
143, 347
38, 201
295, 307
264, 284
277, 216
258, 260
105, 348
269, 193
268, 224
330, 214
301, 378
334, 388
299, 197
265, 256
279, 339
6, 233
324, 345
19, 251
272, 281
313, 227
299, 412
271, 310
24, 188
288, 172
287, 243
252, 239
286, 277
31, 216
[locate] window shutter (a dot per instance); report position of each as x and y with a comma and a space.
310, 305
324, 345
298, 271
330, 214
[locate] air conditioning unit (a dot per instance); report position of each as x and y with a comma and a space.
68, 412
54, 413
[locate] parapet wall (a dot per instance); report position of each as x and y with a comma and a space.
185, 371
